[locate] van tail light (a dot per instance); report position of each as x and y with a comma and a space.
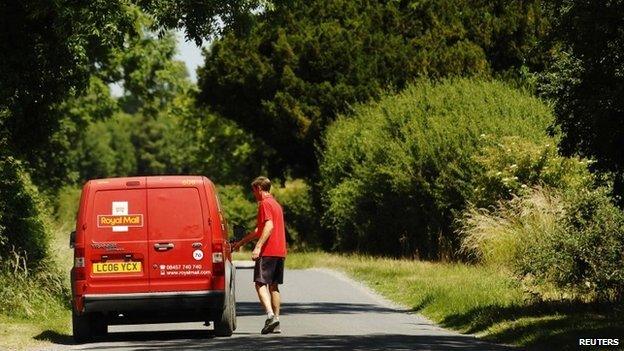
79, 264
218, 266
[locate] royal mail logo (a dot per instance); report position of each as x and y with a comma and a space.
134, 220
119, 220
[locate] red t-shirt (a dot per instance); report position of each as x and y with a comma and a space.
269, 209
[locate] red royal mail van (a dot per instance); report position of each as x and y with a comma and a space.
151, 249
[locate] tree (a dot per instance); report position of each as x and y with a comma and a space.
204, 19
304, 62
586, 81
47, 51
154, 127
396, 173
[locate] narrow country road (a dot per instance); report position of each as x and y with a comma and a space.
321, 309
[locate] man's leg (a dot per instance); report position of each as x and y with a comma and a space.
275, 298
265, 298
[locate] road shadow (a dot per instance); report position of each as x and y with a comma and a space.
140, 336
318, 342
55, 337
289, 308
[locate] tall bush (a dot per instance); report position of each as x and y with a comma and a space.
512, 166
585, 257
238, 205
302, 219
395, 173
304, 62
557, 243
23, 230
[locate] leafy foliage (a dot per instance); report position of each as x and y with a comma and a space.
394, 175
305, 62
586, 256
204, 19
586, 81
154, 128
23, 231
239, 206
221, 150
560, 244
513, 166
47, 52
560, 232
302, 219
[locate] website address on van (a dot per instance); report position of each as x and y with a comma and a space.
185, 273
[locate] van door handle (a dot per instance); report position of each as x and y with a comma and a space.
163, 246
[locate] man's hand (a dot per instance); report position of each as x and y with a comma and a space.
235, 245
255, 255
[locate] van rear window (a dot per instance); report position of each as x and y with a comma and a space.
174, 213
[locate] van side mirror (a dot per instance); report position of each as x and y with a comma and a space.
239, 231
72, 239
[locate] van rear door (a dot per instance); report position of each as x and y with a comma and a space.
179, 250
116, 244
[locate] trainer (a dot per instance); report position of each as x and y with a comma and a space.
269, 252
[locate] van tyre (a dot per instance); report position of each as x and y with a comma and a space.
82, 327
226, 324
233, 293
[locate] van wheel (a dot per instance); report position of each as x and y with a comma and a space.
226, 324
81, 327
233, 293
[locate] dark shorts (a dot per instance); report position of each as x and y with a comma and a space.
269, 270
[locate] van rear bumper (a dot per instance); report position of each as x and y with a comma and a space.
158, 301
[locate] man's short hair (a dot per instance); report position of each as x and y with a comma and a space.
262, 182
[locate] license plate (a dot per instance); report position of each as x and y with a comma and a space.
116, 267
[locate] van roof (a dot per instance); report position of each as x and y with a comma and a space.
146, 182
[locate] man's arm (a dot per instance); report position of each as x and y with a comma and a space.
266, 232
247, 238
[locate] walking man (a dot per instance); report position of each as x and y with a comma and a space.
269, 252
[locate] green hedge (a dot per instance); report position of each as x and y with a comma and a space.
395, 173
585, 256
558, 243
302, 219
238, 205
23, 230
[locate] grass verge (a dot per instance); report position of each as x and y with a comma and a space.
35, 305
474, 299
34, 310
26, 333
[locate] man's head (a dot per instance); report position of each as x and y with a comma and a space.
259, 185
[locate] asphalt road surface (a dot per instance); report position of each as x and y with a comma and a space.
321, 309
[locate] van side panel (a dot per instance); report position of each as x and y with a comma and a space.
77, 285
178, 239
116, 242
